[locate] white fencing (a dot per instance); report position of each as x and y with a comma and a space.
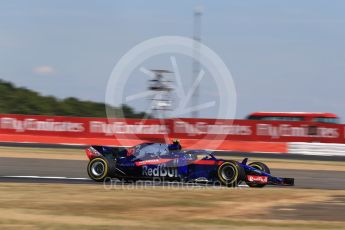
317, 149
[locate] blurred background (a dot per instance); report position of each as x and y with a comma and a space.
283, 55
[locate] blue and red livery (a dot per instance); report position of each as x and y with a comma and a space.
168, 162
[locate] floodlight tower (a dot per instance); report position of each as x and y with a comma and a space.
196, 65
161, 87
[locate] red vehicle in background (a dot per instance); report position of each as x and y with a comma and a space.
295, 116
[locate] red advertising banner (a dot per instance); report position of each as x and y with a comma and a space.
76, 130
250, 130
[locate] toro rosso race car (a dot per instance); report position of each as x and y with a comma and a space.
168, 162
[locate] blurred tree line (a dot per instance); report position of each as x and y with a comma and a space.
14, 100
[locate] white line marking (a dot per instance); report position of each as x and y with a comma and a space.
46, 177
86, 179
243, 185
287, 209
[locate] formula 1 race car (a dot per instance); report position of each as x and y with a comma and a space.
167, 162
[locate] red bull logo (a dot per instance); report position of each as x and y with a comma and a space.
257, 179
159, 171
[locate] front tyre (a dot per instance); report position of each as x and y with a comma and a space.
230, 173
261, 166
99, 169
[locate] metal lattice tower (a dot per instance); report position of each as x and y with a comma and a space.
162, 87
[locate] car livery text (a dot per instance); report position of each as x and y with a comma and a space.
159, 171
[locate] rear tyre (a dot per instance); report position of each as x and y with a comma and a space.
230, 173
262, 167
100, 169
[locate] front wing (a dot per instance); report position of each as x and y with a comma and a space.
270, 180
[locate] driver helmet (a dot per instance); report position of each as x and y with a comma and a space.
175, 145
176, 142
